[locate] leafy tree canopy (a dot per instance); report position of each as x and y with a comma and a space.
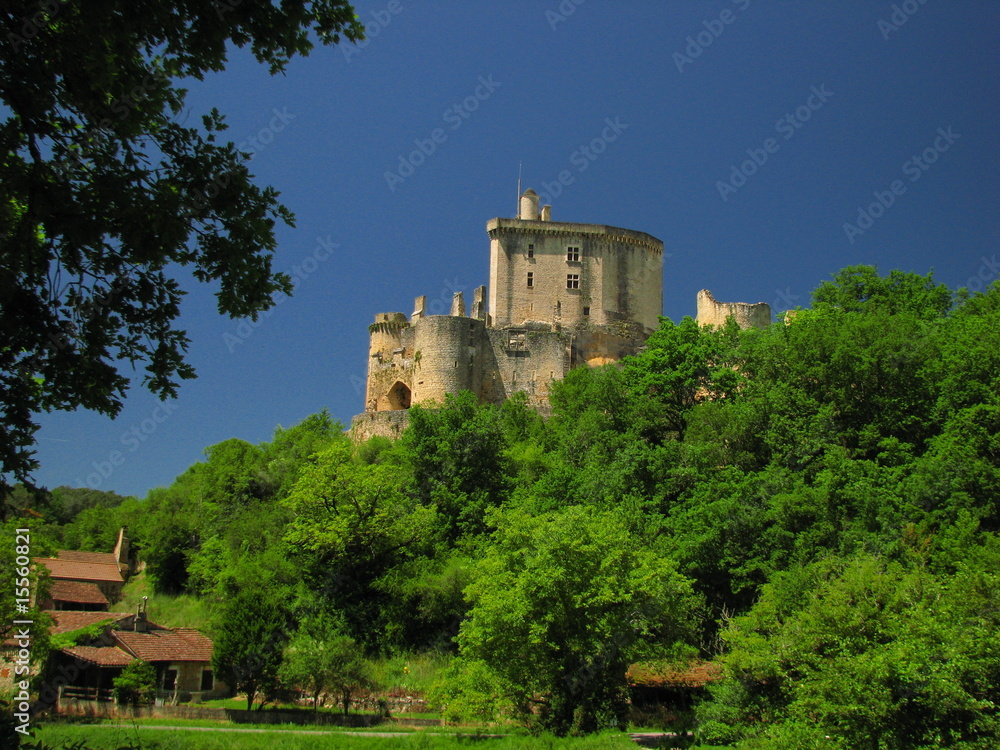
105, 189
563, 604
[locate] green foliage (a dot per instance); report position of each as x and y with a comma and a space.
320, 660
104, 193
868, 652
456, 454
136, 685
564, 603
249, 634
860, 289
828, 488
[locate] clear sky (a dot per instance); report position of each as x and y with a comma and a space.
745, 134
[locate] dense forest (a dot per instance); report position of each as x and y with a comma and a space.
813, 505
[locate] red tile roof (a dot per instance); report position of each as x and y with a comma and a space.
77, 592
103, 656
76, 570
69, 620
100, 558
179, 644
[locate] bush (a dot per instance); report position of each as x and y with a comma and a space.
136, 685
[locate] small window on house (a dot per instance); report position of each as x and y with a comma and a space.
573, 281
586, 311
170, 679
207, 681
573, 254
531, 279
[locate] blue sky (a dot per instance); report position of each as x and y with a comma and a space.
744, 134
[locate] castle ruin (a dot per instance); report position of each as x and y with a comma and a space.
561, 294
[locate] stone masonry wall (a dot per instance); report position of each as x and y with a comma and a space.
713, 313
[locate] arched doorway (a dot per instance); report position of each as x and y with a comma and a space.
399, 396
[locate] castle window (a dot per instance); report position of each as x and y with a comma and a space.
531, 250
531, 279
573, 281
586, 311
572, 254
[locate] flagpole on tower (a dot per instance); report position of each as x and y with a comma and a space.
517, 203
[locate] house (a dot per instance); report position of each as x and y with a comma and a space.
87, 580
182, 657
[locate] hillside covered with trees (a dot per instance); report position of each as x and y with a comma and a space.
813, 505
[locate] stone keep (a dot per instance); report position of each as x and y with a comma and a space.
560, 294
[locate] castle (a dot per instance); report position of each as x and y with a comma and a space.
561, 294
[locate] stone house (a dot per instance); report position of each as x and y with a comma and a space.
182, 658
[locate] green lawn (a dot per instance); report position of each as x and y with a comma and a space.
116, 736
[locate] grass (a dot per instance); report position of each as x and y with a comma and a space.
183, 611
116, 736
410, 673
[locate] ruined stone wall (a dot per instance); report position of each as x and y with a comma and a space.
620, 274
713, 313
521, 359
390, 363
388, 424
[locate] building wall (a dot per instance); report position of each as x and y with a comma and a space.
445, 356
620, 274
524, 360
390, 361
747, 315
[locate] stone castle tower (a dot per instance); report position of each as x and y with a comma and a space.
561, 294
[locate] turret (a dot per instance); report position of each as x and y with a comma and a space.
529, 206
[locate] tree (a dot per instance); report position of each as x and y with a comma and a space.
104, 191
324, 662
250, 633
459, 467
136, 684
563, 604
861, 289
867, 653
